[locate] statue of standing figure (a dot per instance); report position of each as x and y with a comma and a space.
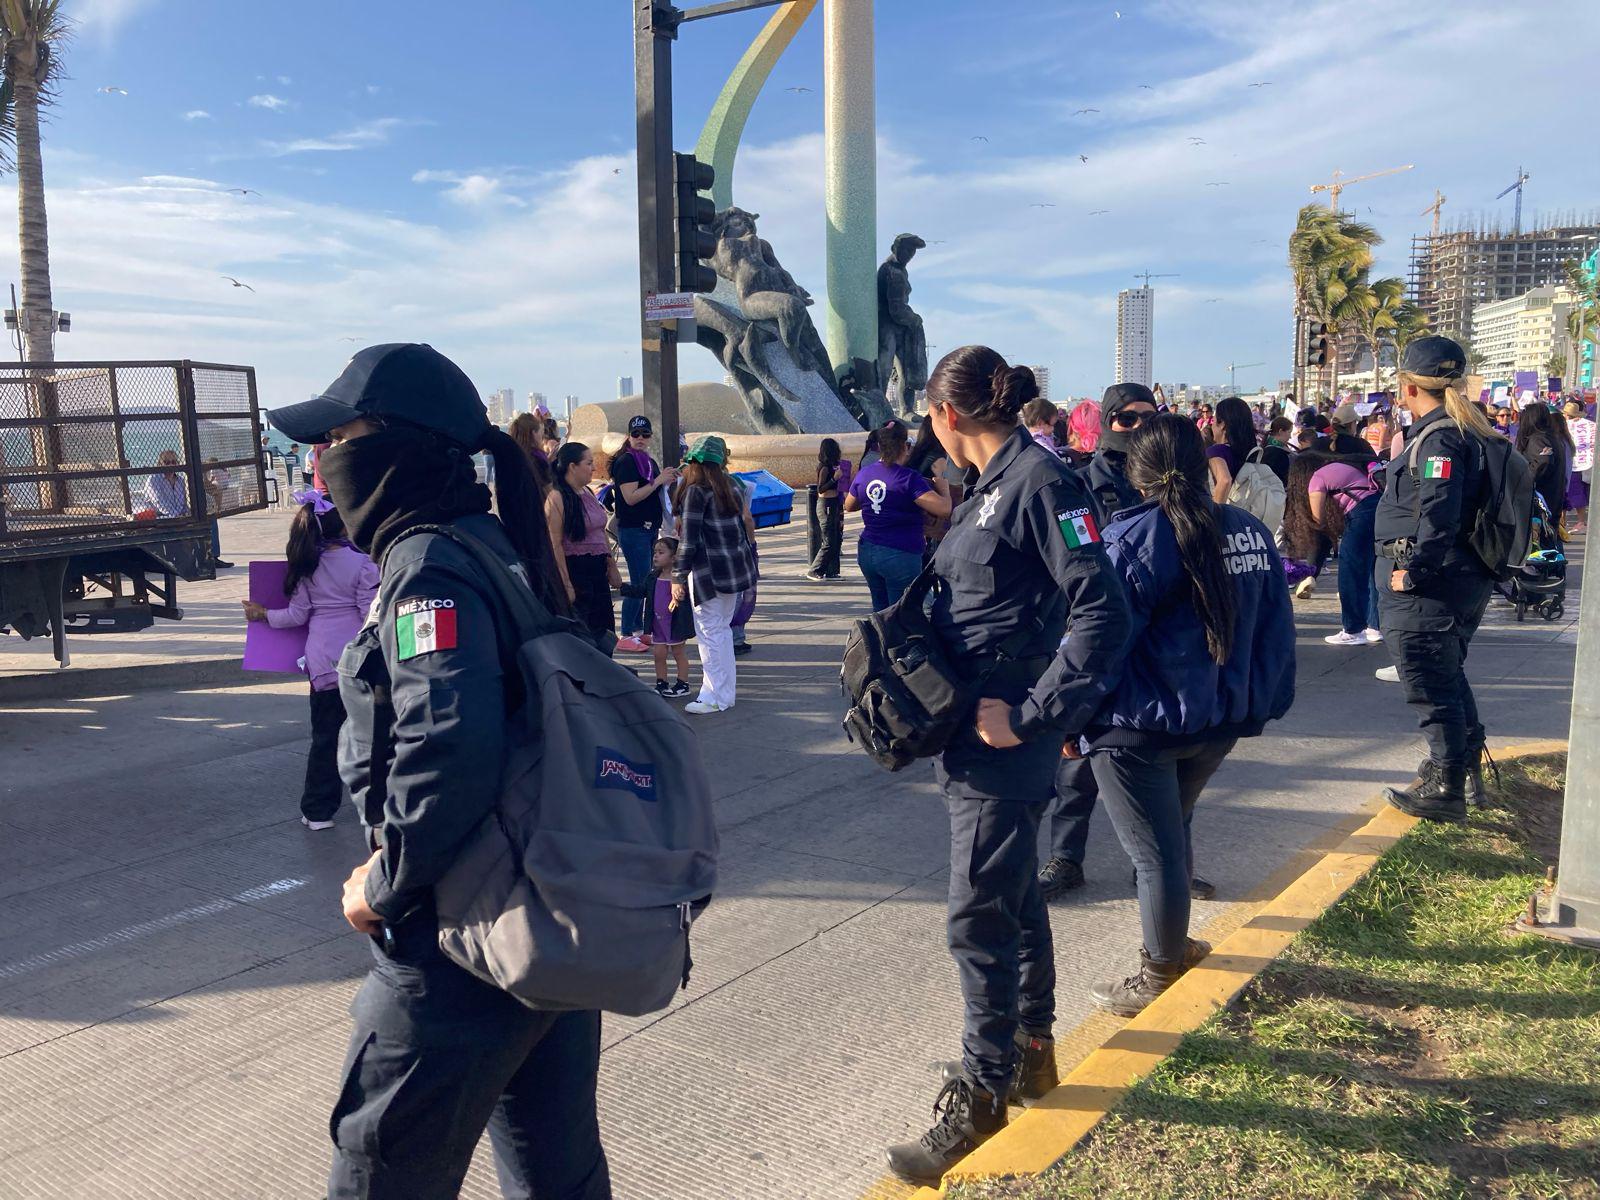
902, 346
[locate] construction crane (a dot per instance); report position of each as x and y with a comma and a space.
1522, 178
1438, 203
1233, 370
1147, 276
1338, 183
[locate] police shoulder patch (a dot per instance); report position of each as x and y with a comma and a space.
422, 626
1437, 467
1077, 527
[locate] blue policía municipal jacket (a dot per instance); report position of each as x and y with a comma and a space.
1170, 691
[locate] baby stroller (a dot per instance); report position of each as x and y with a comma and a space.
1541, 582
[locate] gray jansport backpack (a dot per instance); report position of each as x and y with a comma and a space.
1258, 491
578, 891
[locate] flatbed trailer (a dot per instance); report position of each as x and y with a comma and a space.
85, 546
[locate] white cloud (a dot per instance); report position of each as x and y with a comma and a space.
360, 137
269, 102
475, 190
105, 17
197, 114
285, 80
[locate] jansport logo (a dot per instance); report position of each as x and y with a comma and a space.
613, 770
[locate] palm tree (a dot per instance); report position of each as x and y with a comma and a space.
1410, 323
30, 33
1583, 318
1329, 256
1375, 319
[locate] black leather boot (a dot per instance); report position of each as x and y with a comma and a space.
965, 1117
1476, 791
1035, 1072
1437, 795
1129, 997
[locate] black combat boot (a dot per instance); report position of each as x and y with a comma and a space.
1035, 1072
1437, 795
965, 1117
1476, 792
1059, 875
1128, 997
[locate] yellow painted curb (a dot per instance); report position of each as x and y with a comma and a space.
1053, 1125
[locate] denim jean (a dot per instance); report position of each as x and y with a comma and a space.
1358, 594
888, 572
1149, 794
216, 540
637, 544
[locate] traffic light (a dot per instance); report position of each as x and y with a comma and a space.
694, 216
1316, 344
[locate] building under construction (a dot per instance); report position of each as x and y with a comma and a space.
1455, 270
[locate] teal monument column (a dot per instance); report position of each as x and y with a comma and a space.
851, 151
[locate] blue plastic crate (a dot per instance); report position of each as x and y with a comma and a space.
771, 499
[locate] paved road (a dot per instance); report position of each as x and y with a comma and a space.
174, 972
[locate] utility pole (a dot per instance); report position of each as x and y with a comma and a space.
655, 29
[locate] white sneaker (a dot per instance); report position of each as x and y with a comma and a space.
702, 707
1388, 674
1346, 639
310, 824
1373, 636
1303, 589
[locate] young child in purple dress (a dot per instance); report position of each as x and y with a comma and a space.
668, 626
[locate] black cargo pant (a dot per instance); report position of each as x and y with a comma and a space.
323, 792
435, 1056
830, 536
1428, 631
1066, 817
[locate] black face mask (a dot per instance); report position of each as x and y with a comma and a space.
397, 478
1113, 438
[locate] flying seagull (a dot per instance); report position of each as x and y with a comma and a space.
936, 242
978, 137
236, 283
1223, 183
1099, 212
1263, 83
349, 339
1147, 87
616, 171
119, 91
1083, 158
1081, 111
1213, 300
1041, 206
797, 90
242, 192
1197, 141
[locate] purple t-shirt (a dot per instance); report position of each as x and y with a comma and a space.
889, 513
1348, 485
1228, 457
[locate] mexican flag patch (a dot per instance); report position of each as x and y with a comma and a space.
1078, 527
423, 626
1437, 467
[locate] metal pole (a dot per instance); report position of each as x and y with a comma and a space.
655, 29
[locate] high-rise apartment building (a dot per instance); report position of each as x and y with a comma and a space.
1452, 273
1522, 333
502, 406
1136, 335
1042, 375
624, 386
536, 401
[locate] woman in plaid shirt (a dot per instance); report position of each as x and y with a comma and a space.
714, 565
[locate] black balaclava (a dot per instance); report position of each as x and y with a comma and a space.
1118, 396
398, 477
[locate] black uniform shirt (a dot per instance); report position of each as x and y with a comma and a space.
1024, 551
1436, 506
423, 686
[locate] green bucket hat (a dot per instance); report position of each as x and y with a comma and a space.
708, 449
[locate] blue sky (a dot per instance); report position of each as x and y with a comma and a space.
470, 182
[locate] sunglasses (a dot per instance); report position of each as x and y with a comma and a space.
645, 436
1127, 418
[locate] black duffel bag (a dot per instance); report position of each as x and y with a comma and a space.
907, 700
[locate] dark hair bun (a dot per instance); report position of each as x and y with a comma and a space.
1009, 389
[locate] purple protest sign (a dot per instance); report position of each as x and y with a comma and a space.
1526, 381
266, 648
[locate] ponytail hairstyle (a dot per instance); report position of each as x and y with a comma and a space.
520, 505
309, 534
892, 442
1469, 418
1167, 463
573, 523
982, 386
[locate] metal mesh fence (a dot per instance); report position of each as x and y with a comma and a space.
89, 447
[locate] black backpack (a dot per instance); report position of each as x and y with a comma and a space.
1503, 525
907, 701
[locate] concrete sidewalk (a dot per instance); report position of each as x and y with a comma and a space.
174, 971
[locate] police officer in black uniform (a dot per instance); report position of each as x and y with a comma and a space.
1123, 409
436, 1053
1432, 587
1022, 558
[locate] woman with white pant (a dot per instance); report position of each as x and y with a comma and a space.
714, 565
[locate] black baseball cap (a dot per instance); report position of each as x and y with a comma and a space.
639, 426
1434, 358
405, 381
1120, 395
